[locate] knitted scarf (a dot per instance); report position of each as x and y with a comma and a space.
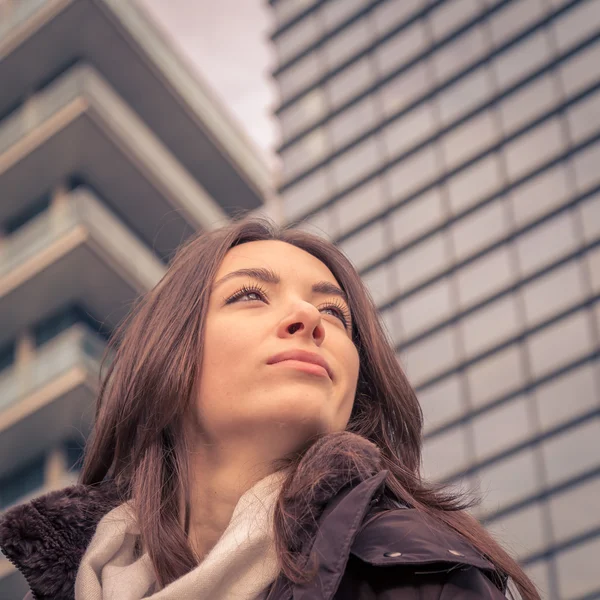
241, 566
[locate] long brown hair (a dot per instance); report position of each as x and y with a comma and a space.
139, 437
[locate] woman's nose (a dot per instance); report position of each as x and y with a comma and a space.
305, 320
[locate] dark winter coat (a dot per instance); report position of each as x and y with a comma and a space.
365, 552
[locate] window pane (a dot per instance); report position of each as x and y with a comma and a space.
304, 195
539, 195
441, 402
464, 95
462, 51
335, 12
423, 309
355, 120
469, 139
451, 15
393, 12
572, 452
538, 572
502, 427
593, 260
577, 23
356, 163
489, 325
553, 293
295, 39
584, 117
515, 17
521, 532
546, 243
528, 102
399, 49
359, 205
533, 148
581, 70
378, 283
410, 129
578, 569
496, 375
287, 9
414, 218
508, 481
576, 511
302, 113
431, 356
350, 82
348, 42
485, 276
304, 153
587, 173
474, 183
320, 223
481, 228
421, 261
408, 175
559, 344
521, 60
365, 246
404, 89
299, 76
445, 454
590, 218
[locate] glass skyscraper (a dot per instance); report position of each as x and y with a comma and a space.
452, 149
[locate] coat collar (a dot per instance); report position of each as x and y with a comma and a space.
47, 537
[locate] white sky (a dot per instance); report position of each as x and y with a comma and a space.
227, 42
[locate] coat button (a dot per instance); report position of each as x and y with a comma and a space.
392, 554
455, 553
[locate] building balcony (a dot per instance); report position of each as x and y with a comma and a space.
39, 39
78, 126
50, 397
76, 250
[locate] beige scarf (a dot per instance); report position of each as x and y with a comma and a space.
241, 566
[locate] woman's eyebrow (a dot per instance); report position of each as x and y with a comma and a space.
269, 276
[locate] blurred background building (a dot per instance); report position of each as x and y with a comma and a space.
452, 149
111, 154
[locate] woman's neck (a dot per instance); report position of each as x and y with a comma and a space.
215, 489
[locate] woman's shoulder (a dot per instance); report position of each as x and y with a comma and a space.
47, 536
423, 550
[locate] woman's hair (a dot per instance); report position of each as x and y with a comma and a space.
140, 441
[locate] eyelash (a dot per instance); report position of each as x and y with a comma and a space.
343, 312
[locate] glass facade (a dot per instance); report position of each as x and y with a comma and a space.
451, 148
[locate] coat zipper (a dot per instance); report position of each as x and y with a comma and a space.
10, 560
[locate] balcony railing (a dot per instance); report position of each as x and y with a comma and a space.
77, 346
82, 208
14, 13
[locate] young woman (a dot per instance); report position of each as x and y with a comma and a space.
255, 437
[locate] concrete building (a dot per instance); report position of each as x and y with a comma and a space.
452, 149
111, 154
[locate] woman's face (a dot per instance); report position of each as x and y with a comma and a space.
269, 301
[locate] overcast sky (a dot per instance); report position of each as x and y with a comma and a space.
227, 41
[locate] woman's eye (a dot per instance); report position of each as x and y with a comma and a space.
247, 294
252, 296
336, 312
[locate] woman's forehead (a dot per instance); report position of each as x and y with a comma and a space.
282, 258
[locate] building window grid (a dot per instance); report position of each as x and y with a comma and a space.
490, 57
523, 332
522, 131
547, 530
570, 202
